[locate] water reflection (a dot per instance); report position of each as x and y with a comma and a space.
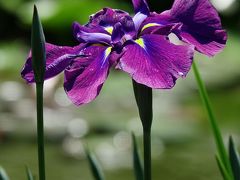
111, 157
61, 98
122, 141
77, 128
11, 91
73, 147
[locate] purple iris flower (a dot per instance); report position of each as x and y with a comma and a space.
138, 46
86, 66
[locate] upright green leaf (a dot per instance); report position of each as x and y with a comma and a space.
223, 169
39, 64
3, 174
38, 48
94, 166
216, 131
234, 159
29, 174
136, 160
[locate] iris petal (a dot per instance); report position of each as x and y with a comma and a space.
202, 25
159, 24
91, 35
78, 28
85, 77
118, 34
138, 19
199, 22
155, 62
107, 17
57, 59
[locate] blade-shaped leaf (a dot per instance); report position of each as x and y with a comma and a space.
38, 48
213, 122
94, 166
136, 160
223, 169
29, 174
234, 159
3, 174
38, 65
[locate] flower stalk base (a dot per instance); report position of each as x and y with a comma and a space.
40, 131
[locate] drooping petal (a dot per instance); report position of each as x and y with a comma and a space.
196, 12
57, 59
140, 6
210, 45
155, 62
85, 77
201, 25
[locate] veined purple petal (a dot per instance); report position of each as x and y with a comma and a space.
155, 62
57, 59
201, 25
140, 6
85, 77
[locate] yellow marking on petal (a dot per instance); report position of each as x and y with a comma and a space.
107, 52
149, 25
140, 42
109, 29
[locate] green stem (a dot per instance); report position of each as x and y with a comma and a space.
40, 131
216, 131
147, 155
143, 96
